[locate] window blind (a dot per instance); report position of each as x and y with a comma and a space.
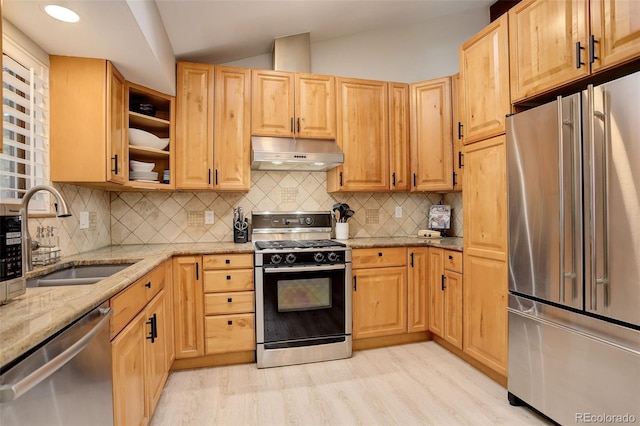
24, 161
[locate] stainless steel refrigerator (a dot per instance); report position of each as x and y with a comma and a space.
574, 255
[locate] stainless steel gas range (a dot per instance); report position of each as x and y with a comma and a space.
303, 296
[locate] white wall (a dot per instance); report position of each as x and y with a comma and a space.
406, 55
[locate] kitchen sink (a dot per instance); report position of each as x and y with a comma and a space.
77, 275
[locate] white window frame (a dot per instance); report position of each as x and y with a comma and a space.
36, 134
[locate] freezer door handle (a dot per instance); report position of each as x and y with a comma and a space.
599, 203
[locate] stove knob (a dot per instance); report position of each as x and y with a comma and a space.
276, 258
308, 220
332, 256
318, 257
290, 258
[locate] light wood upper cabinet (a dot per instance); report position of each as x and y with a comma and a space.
484, 82
554, 43
293, 104
399, 136
458, 154
544, 37
88, 126
616, 28
315, 111
194, 123
417, 289
431, 136
232, 134
272, 103
363, 136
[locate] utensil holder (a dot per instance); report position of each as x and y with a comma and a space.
342, 231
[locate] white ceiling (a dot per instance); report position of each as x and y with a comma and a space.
143, 38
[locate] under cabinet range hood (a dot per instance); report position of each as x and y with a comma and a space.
294, 154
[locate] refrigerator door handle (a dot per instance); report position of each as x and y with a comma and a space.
599, 210
568, 150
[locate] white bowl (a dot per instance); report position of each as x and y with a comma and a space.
139, 137
140, 166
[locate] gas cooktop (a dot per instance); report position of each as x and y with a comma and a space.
296, 244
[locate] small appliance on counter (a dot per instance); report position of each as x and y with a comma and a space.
439, 221
12, 281
240, 226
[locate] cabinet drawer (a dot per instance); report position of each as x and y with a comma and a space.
379, 257
231, 280
130, 301
453, 260
229, 303
229, 333
228, 261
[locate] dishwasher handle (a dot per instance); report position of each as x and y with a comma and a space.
14, 391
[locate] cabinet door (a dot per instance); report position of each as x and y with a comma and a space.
418, 289
452, 331
188, 306
363, 133
616, 29
458, 155
129, 372
436, 290
544, 36
156, 349
232, 141
194, 124
399, 136
315, 107
431, 136
485, 311
379, 302
168, 297
117, 162
485, 200
484, 76
272, 103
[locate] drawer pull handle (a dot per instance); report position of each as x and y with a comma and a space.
227, 261
148, 285
229, 300
229, 322
228, 277
379, 254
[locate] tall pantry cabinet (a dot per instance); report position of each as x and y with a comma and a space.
484, 86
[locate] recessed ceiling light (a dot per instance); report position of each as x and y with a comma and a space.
61, 13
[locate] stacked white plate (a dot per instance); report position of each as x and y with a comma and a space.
149, 176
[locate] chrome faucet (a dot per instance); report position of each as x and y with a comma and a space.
62, 210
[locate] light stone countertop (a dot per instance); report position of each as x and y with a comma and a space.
41, 312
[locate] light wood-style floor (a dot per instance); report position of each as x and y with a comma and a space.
414, 384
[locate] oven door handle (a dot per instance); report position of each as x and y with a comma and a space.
286, 269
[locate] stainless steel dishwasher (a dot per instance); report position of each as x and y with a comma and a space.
65, 381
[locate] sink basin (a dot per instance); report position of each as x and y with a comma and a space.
77, 275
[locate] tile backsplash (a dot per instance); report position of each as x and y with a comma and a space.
161, 217
72, 239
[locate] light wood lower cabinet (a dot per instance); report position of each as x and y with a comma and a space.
187, 306
417, 289
139, 349
445, 295
229, 303
379, 292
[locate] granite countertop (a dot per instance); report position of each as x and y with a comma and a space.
41, 312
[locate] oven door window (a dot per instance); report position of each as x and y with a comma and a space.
303, 305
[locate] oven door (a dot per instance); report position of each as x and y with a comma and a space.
302, 305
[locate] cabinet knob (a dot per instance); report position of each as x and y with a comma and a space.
450, 257
379, 254
227, 261
148, 285
228, 277
229, 300
229, 322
